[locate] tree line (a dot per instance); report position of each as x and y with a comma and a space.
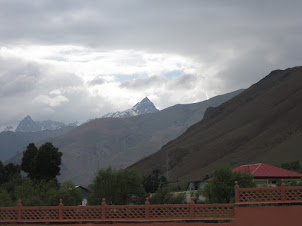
127, 186
40, 186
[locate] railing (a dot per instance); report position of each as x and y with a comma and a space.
274, 194
150, 212
105, 212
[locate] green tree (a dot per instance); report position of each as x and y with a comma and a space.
47, 193
43, 163
122, 186
29, 159
10, 177
221, 188
48, 162
154, 181
9, 172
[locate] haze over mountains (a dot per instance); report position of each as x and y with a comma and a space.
262, 124
14, 142
120, 142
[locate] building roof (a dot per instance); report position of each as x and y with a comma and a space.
264, 170
83, 188
210, 179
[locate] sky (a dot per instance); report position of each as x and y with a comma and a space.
73, 60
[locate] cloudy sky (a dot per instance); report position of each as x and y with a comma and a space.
74, 60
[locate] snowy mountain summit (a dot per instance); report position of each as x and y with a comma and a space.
29, 125
143, 107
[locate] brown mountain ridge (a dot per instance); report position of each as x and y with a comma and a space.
261, 124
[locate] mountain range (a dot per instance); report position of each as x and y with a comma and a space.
119, 142
261, 124
14, 141
29, 125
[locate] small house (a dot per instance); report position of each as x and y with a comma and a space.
267, 175
84, 192
194, 185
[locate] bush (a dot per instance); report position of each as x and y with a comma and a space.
47, 193
121, 187
5, 199
164, 196
221, 188
43, 193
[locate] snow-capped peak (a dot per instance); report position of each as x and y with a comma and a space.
143, 107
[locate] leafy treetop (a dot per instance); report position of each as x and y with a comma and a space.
43, 163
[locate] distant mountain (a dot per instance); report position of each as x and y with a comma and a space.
262, 124
28, 125
7, 128
16, 142
119, 142
143, 107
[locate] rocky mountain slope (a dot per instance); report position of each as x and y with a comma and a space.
262, 124
120, 142
143, 107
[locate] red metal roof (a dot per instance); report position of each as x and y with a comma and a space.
264, 170
210, 179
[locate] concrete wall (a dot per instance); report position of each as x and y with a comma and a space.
269, 215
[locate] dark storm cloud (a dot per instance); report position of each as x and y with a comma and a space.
201, 29
255, 63
186, 26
